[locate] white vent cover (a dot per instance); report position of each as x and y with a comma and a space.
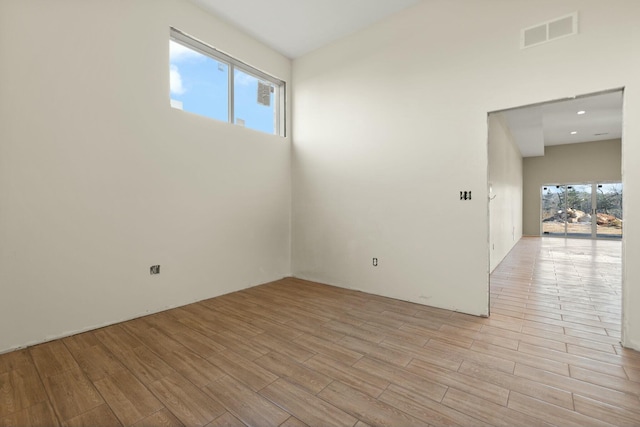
549, 31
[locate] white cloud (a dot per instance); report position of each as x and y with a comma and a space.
175, 81
178, 52
243, 79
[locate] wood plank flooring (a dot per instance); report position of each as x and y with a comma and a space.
296, 353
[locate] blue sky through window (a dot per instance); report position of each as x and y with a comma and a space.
255, 115
200, 84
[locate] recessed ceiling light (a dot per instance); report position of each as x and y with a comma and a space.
581, 112
574, 132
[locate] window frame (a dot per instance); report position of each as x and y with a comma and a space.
190, 42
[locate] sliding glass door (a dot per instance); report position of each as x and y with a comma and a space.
579, 211
582, 210
554, 215
609, 210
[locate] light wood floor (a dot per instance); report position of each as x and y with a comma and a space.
292, 353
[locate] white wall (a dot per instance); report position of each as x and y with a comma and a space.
391, 123
505, 180
100, 178
588, 162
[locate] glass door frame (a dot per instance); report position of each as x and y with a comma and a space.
592, 211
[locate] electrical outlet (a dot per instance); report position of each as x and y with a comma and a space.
375, 262
155, 269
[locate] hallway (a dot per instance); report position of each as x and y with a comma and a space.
563, 286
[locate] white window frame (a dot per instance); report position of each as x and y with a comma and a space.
233, 64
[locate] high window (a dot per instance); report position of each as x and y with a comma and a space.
210, 83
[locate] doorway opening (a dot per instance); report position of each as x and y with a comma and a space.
555, 171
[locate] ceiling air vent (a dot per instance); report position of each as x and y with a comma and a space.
549, 31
